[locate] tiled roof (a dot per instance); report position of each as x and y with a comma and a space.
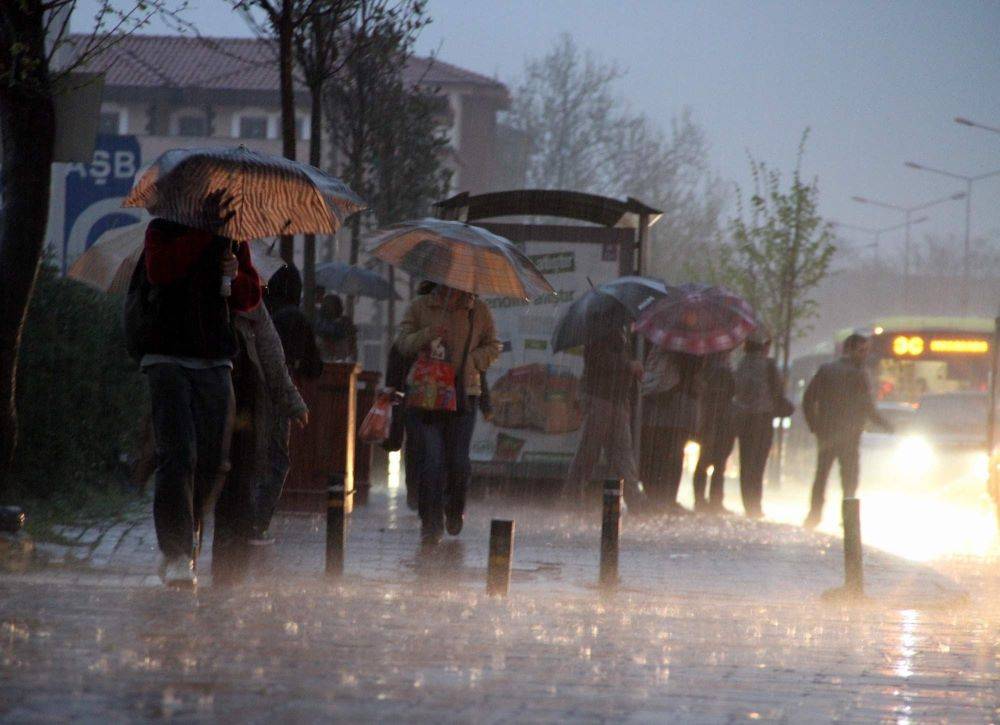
247, 64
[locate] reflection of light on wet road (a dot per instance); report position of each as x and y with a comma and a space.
915, 521
393, 478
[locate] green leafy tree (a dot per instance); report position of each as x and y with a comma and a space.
782, 250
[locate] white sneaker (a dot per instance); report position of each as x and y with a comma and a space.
178, 573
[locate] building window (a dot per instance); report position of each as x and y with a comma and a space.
192, 126
109, 123
253, 127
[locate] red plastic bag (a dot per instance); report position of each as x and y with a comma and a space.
431, 385
375, 426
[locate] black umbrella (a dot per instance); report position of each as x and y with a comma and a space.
351, 280
604, 308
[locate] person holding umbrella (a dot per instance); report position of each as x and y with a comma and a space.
715, 434
463, 327
688, 323
608, 375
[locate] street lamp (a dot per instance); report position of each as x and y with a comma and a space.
876, 233
973, 124
969, 180
907, 223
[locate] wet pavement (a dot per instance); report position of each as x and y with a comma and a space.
716, 619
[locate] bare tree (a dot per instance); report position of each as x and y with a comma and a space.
572, 129
32, 32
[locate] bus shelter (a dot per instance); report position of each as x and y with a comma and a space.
577, 240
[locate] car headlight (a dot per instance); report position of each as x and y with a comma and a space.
914, 456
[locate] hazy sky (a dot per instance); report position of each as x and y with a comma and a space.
878, 82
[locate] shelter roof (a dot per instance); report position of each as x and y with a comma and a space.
592, 208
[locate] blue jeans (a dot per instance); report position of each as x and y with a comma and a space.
444, 440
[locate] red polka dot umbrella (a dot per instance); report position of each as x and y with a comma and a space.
697, 319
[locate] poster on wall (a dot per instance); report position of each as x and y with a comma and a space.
537, 410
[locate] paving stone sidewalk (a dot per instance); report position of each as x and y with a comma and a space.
717, 619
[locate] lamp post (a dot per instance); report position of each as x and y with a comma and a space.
876, 235
907, 223
967, 249
974, 124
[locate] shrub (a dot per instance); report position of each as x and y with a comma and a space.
79, 396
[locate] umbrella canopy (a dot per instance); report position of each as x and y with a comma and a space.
590, 316
108, 264
266, 195
604, 308
697, 319
352, 280
460, 256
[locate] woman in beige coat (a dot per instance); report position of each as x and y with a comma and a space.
461, 326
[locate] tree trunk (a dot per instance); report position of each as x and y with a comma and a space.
286, 61
315, 158
27, 135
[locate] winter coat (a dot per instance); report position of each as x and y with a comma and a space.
607, 368
838, 401
275, 397
677, 407
757, 385
426, 313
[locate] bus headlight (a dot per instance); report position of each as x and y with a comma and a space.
914, 456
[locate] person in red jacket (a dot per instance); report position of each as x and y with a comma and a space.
196, 281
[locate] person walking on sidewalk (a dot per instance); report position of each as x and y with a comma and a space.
609, 372
757, 390
179, 322
464, 326
837, 404
302, 361
265, 395
671, 391
716, 433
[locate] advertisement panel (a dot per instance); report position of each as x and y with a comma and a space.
537, 412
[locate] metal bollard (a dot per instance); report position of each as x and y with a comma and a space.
336, 526
853, 568
501, 554
610, 531
11, 519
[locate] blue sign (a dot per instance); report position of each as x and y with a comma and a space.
95, 192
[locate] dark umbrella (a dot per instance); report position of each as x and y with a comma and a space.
354, 281
697, 319
604, 308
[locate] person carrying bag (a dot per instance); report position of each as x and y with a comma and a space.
453, 338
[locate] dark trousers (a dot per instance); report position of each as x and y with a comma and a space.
716, 446
844, 450
755, 433
444, 440
412, 461
270, 487
662, 463
192, 417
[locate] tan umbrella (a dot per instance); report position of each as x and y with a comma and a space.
266, 196
460, 256
107, 266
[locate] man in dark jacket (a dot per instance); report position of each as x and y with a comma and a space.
716, 434
187, 344
837, 404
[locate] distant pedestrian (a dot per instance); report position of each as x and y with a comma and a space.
757, 395
338, 337
609, 374
837, 404
671, 393
460, 324
283, 296
716, 434
179, 323
265, 397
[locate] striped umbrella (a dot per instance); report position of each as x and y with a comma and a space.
460, 256
698, 319
108, 264
266, 195
352, 280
